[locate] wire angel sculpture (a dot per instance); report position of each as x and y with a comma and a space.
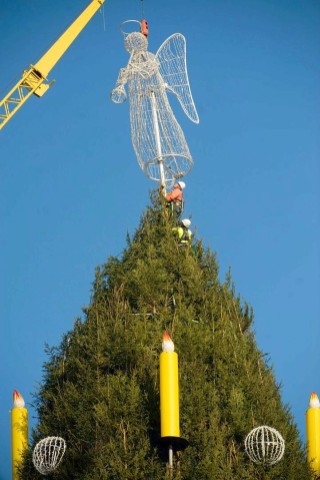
157, 138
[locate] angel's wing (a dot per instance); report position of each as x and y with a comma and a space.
173, 69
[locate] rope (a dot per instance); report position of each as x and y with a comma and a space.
103, 17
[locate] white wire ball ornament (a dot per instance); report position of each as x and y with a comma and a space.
48, 453
264, 445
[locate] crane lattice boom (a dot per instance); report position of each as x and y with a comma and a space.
34, 80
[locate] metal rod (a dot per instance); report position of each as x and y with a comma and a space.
158, 142
170, 458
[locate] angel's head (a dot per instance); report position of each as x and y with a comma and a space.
135, 41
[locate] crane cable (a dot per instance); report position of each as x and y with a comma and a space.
142, 9
103, 17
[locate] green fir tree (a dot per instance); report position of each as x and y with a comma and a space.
100, 388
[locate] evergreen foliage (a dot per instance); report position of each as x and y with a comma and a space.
100, 390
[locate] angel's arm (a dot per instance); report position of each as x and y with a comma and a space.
118, 94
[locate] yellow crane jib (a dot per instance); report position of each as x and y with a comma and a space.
34, 80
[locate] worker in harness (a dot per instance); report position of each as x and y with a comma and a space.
175, 199
183, 233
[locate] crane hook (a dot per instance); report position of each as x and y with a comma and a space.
144, 27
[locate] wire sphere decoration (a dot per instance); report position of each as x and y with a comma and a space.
264, 445
48, 453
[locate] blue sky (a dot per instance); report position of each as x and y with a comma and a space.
71, 187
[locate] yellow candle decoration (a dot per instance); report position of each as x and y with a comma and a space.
313, 432
169, 389
19, 432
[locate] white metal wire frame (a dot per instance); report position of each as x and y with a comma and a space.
48, 454
265, 445
157, 138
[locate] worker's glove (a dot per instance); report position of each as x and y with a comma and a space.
162, 190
